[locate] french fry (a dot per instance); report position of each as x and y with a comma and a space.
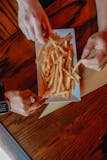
58, 73
76, 66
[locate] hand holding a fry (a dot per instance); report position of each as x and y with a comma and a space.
23, 102
33, 20
97, 43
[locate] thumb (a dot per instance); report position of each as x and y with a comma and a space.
39, 103
46, 27
88, 48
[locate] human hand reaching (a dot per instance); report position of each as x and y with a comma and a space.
24, 102
98, 43
33, 20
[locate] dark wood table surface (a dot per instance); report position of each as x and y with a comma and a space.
77, 131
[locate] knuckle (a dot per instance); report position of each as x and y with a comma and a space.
26, 17
99, 65
25, 109
26, 114
98, 61
91, 38
102, 41
99, 68
18, 92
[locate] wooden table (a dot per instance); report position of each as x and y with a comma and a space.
77, 131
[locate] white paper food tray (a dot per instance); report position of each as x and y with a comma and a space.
75, 95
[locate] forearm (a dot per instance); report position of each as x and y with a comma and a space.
101, 6
26, 3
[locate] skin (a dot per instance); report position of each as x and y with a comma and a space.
35, 25
98, 41
33, 20
20, 102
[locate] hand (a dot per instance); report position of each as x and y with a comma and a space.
33, 20
97, 42
23, 102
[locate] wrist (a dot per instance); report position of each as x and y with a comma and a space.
102, 29
101, 7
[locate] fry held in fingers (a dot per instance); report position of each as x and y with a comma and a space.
56, 65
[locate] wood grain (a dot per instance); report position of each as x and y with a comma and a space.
73, 132
17, 63
77, 131
8, 19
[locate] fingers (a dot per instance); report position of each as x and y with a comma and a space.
35, 29
97, 63
32, 102
42, 29
96, 43
46, 27
38, 31
29, 98
34, 106
24, 102
27, 30
39, 103
30, 32
23, 29
88, 48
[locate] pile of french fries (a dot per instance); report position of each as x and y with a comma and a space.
57, 70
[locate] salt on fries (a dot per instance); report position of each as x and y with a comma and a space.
57, 70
